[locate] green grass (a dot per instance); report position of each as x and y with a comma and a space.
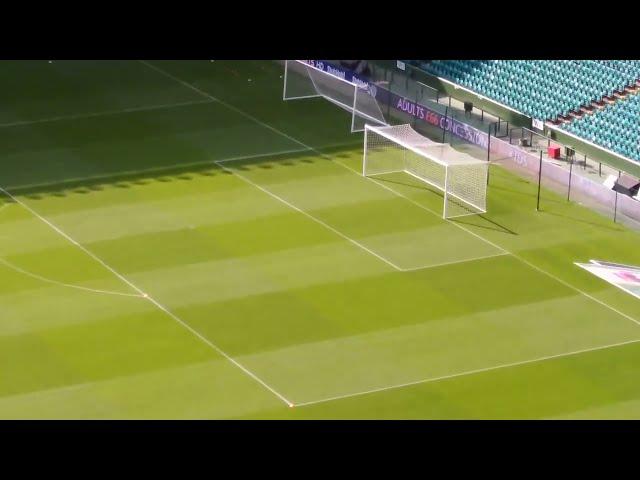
255, 300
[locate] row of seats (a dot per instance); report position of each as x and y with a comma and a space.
616, 127
624, 66
542, 89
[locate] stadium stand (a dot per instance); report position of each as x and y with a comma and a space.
616, 127
543, 89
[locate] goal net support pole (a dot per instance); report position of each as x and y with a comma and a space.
302, 80
461, 178
289, 92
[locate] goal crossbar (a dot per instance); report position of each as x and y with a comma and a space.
426, 147
308, 65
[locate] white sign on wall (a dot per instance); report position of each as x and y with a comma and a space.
400, 64
539, 124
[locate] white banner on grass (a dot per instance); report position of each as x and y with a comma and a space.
624, 277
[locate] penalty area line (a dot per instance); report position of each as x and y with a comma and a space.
466, 373
105, 113
455, 262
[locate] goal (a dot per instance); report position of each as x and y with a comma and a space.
461, 178
302, 80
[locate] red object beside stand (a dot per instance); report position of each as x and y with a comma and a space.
554, 152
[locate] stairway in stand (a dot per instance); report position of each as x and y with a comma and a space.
599, 104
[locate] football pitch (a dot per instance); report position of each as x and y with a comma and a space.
178, 242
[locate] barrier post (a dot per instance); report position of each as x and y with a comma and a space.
570, 175
390, 85
488, 153
539, 181
489, 144
415, 101
444, 129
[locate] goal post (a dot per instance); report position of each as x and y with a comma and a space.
302, 80
461, 178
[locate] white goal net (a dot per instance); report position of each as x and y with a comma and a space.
461, 178
302, 80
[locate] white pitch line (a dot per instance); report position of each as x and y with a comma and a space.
279, 132
150, 299
308, 215
12, 266
455, 262
144, 171
181, 82
104, 113
466, 373
261, 155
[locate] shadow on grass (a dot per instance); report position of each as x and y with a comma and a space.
603, 224
151, 173
410, 184
495, 226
